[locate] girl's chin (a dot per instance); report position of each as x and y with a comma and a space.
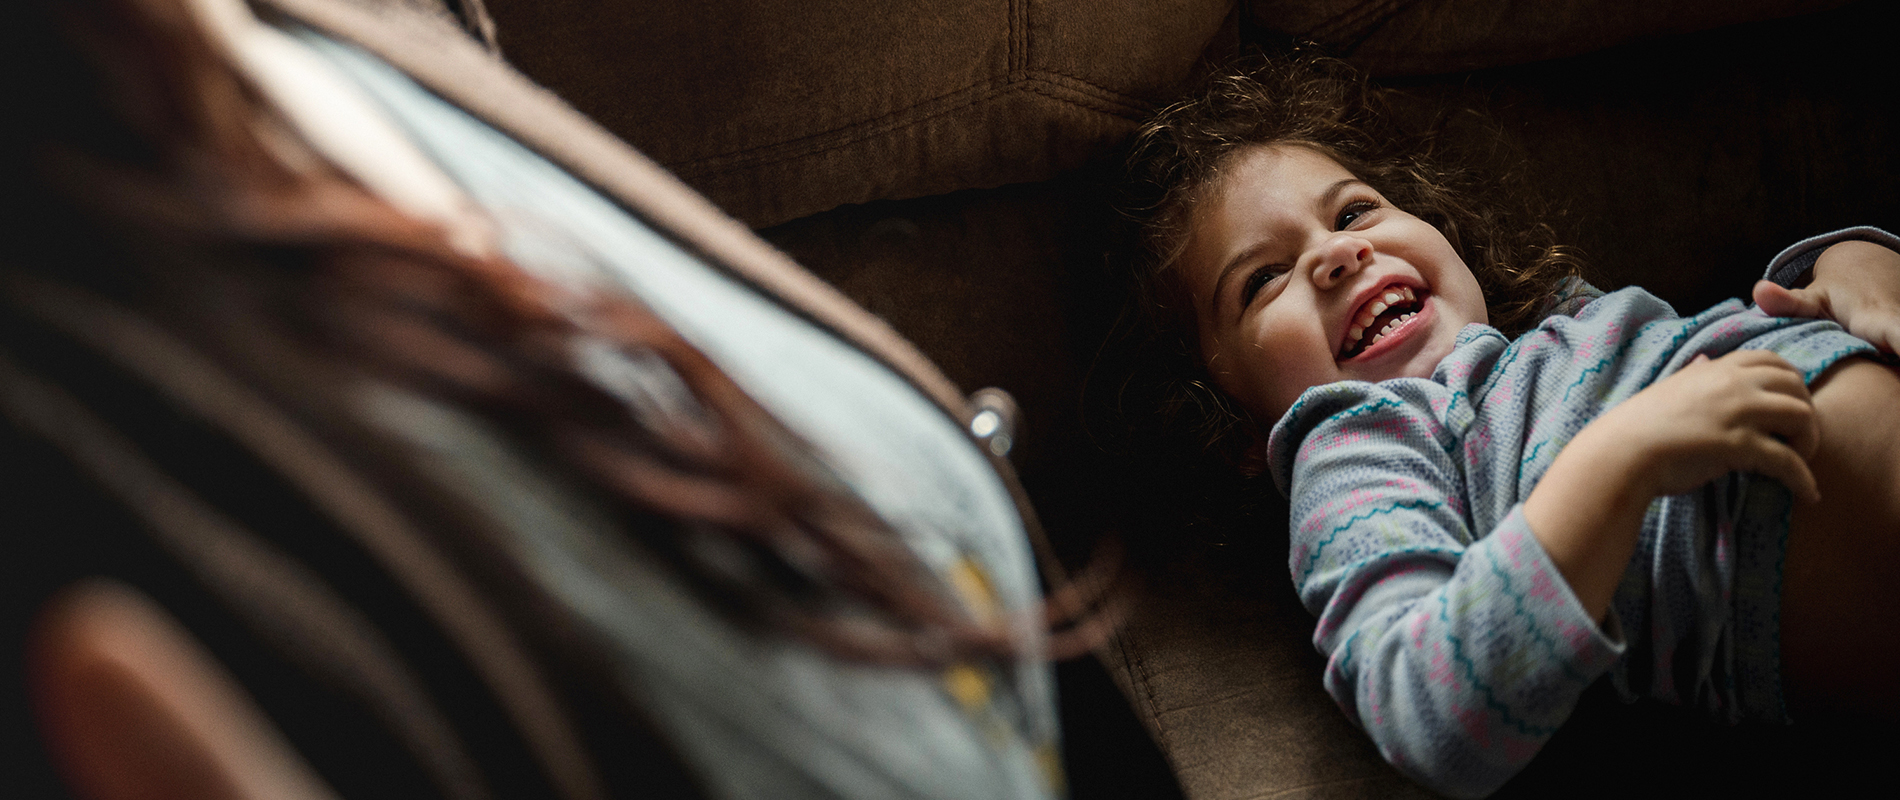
1416, 358
1409, 369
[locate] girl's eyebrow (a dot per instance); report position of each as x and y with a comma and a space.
1246, 254
1327, 198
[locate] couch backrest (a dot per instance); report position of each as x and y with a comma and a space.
777, 110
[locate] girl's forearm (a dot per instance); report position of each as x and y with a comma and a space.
1587, 511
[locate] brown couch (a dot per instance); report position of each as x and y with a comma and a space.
941, 163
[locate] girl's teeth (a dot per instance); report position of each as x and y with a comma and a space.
1371, 312
1358, 332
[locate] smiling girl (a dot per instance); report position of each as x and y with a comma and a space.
1485, 525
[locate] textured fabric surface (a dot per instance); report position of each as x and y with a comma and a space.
1218, 666
779, 110
1419, 37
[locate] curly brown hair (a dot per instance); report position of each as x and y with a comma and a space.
1178, 160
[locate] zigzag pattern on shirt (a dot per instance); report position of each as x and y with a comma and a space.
1829, 361
1360, 410
1326, 624
1312, 558
1491, 700
1532, 456
1536, 631
1605, 361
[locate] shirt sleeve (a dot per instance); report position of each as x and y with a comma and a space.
1570, 298
1460, 652
1792, 265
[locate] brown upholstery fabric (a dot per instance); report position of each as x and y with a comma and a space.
779, 110
1237, 706
1418, 37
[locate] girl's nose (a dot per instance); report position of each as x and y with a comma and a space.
1340, 257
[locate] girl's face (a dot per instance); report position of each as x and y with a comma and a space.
1300, 275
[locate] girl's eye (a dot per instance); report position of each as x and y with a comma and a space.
1352, 213
1257, 280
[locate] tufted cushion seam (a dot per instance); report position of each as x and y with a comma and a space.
1309, 787
1217, 699
1018, 36
1111, 101
1352, 27
809, 144
1138, 675
1060, 88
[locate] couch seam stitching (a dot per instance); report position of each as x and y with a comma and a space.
1134, 105
1148, 695
1360, 26
1315, 785
1018, 37
1347, 19
881, 124
1108, 99
1036, 84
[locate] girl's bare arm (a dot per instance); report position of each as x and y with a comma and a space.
1747, 411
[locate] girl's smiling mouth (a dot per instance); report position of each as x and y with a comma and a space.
1384, 319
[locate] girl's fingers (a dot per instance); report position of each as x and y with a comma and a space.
1781, 379
1757, 358
1778, 461
1767, 372
1781, 404
1789, 418
1776, 300
1744, 361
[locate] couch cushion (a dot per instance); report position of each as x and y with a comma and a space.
779, 110
1417, 37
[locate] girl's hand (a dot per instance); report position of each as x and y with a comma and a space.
1748, 411
1855, 283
